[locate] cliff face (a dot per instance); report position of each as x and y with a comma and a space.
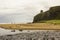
51, 14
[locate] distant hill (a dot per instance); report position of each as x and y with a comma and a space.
52, 14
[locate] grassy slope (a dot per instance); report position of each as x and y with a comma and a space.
47, 25
51, 21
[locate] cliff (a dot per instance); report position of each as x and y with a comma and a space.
52, 14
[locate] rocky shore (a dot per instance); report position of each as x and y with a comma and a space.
38, 35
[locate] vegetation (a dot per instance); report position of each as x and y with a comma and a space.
33, 26
50, 21
53, 14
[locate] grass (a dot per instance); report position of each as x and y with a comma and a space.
48, 25
51, 21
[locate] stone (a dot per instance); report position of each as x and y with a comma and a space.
39, 35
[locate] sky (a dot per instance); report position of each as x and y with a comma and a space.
23, 11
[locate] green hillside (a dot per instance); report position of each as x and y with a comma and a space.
52, 14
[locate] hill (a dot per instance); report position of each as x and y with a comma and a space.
52, 14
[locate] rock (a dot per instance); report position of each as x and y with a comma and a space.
39, 35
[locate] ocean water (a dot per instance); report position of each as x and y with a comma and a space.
9, 31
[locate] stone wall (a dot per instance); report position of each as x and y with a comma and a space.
39, 35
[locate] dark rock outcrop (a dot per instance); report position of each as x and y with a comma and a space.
51, 14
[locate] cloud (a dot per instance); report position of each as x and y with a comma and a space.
23, 10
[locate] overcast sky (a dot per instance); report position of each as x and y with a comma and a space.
22, 11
